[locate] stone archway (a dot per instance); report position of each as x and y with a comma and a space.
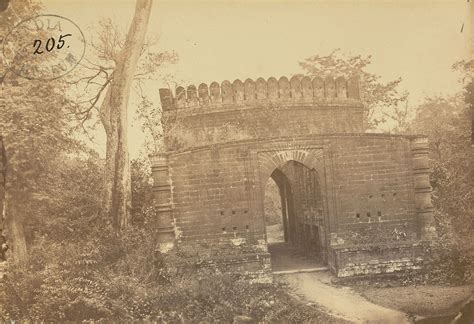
303, 213
286, 205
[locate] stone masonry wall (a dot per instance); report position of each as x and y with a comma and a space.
213, 194
379, 258
261, 109
218, 198
371, 201
374, 183
216, 190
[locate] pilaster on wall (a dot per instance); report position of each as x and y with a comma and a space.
162, 195
422, 170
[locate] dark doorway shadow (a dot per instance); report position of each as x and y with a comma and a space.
293, 232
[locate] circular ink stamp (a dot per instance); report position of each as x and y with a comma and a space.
45, 47
4, 5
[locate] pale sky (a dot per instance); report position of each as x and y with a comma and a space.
225, 40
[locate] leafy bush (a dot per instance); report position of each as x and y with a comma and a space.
272, 204
80, 270
115, 279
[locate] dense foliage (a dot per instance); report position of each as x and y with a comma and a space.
80, 270
122, 282
446, 122
272, 204
385, 102
35, 130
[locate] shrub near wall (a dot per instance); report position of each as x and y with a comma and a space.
112, 279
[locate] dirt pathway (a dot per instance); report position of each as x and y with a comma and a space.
315, 287
288, 258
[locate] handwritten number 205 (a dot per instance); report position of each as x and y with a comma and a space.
50, 43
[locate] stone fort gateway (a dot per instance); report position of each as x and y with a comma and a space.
360, 202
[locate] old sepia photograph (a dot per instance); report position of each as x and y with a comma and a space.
237, 161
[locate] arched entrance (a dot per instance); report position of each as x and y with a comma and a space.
302, 215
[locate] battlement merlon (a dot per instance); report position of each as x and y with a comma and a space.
297, 90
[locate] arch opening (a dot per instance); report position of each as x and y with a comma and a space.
274, 204
295, 225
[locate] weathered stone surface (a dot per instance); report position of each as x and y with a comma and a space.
238, 87
192, 96
298, 90
330, 87
166, 99
273, 90
284, 85
180, 97
318, 88
307, 88
203, 94
261, 88
353, 88
341, 88
295, 84
360, 202
227, 93
250, 91
215, 92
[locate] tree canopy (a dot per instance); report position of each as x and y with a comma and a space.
384, 101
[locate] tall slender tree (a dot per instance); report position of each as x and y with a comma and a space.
116, 64
26, 142
116, 201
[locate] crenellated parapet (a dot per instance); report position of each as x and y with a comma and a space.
296, 90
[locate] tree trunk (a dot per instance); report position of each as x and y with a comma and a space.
16, 234
116, 200
11, 220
